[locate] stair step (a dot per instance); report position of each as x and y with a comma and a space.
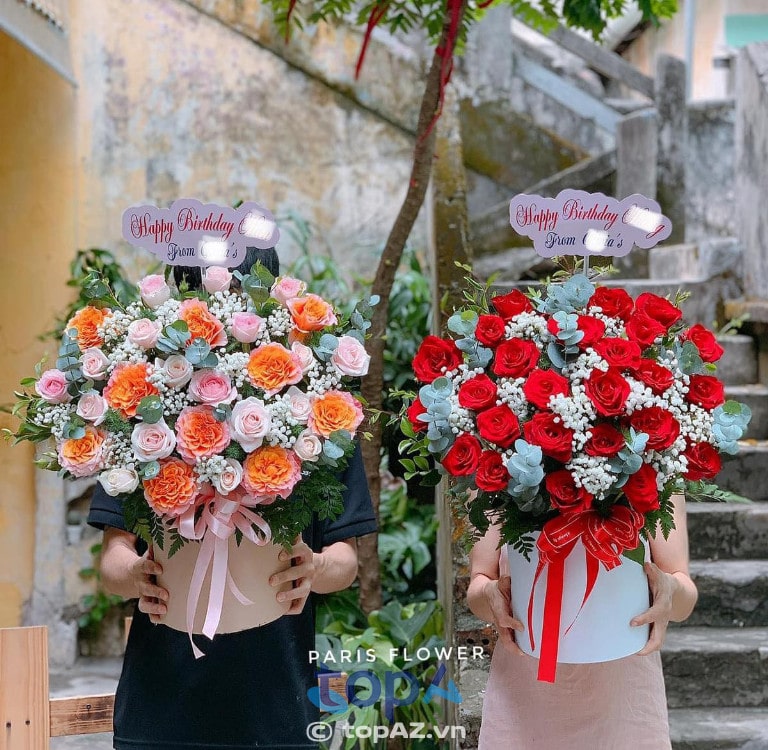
745, 473
731, 593
718, 728
717, 667
727, 530
738, 365
755, 396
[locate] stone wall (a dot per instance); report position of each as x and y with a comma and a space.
751, 160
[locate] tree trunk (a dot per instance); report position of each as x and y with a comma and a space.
373, 384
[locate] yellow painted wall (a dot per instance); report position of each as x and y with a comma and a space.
707, 82
37, 210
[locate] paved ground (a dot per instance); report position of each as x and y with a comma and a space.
87, 677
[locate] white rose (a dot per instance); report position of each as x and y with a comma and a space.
300, 404
95, 364
250, 422
305, 354
350, 357
230, 478
177, 371
308, 446
151, 442
216, 279
154, 290
119, 481
92, 407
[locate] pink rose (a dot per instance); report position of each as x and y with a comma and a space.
216, 279
177, 370
229, 479
52, 387
212, 387
286, 288
350, 357
300, 404
308, 446
154, 291
92, 407
246, 327
144, 332
151, 442
250, 422
305, 355
95, 364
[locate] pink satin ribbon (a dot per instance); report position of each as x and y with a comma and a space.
220, 518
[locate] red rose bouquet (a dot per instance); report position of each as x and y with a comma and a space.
576, 414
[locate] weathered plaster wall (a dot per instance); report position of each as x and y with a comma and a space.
751, 158
37, 226
174, 102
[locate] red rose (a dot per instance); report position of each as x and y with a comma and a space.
657, 377
564, 495
552, 437
542, 384
608, 391
490, 330
619, 352
706, 391
706, 343
462, 457
512, 304
606, 440
659, 309
515, 358
413, 412
492, 475
644, 330
703, 461
615, 303
641, 489
593, 329
498, 425
435, 355
659, 424
477, 393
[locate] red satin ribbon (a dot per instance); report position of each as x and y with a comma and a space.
604, 538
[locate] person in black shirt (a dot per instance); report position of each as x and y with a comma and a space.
251, 688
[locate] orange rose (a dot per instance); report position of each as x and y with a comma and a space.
126, 387
82, 457
272, 367
86, 323
311, 313
335, 410
270, 471
173, 490
201, 323
199, 433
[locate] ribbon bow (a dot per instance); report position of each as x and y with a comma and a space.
604, 538
220, 518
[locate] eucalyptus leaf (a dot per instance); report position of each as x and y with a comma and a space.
150, 409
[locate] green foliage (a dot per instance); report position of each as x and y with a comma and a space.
702, 491
393, 634
97, 605
403, 16
95, 273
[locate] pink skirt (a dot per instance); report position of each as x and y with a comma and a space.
615, 705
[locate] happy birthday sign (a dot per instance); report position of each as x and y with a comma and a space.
191, 233
581, 223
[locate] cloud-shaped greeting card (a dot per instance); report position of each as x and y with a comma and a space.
191, 233
580, 223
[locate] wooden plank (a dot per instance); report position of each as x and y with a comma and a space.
570, 96
604, 61
83, 715
24, 717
